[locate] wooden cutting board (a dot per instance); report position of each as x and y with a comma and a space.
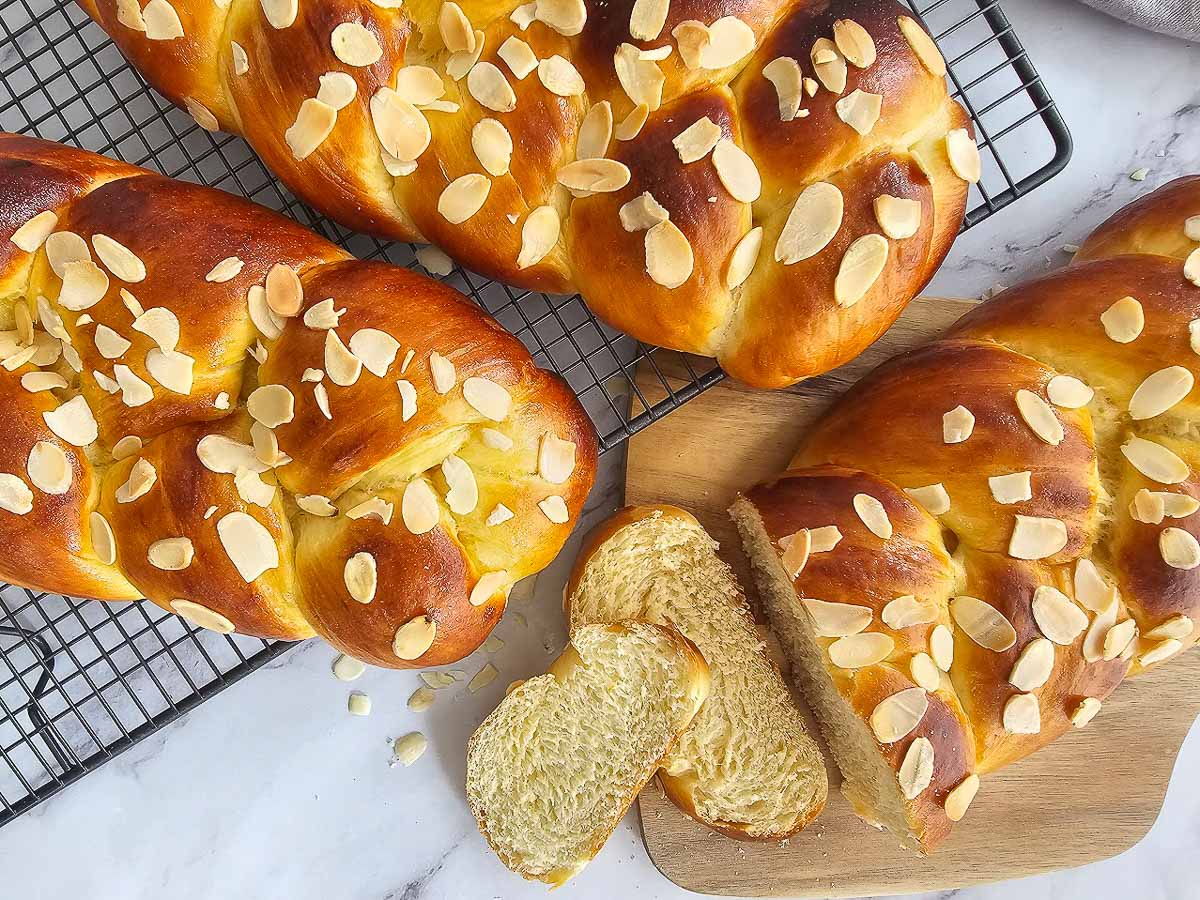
1090, 795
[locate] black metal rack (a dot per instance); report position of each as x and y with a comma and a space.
80, 681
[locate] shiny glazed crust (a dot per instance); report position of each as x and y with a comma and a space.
369, 449
781, 325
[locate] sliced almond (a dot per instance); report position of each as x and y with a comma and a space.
743, 258
1022, 714
1160, 651
1159, 392
859, 650
461, 63
924, 671
1011, 488
49, 469
560, 77
1179, 549
408, 400
1034, 537
499, 515
488, 585
908, 611
784, 73
729, 41
595, 132
225, 456
1117, 638
697, 140
280, 13
463, 197
941, 647
873, 515
160, 325
860, 110
488, 398
171, 370
241, 60
982, 623
372, 508
640, 78
226, 270
815, 218
825, 538
964, 155
555, 509
669, 258
1057, 617
73, 422
691, 37
1191, 267
15, 495
361, 577
1155, 461
284, 292
957, 425
933, 497
401, 127
856, 44
162, 21
316, 505
1124, 320
248, 544
321, 397
414, 638
737, 171
110, 344
1177, 626
647, 19
1040, 417
518, 56
897, 217
63, 247
463, 494
119, 259
567, 17
455, 28
1068, 392
556, 459
631, 126
488, 85
314, 123
539, 235
493, 146
916, 772
594, 175
342, 366
829, 64
959, 799
897, 716
271, 404
84, 284
203, 616
171, 554
34, 232
34, 382
861, 267
795, 555
923, 46
355, 44
443, 372
104, 543
419, 507
377, 349
321, 315
642, 212
836, 619
1148, 507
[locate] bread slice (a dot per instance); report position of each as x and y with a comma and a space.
555, 766
746, 767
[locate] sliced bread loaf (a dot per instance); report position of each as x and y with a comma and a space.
746, 766
555, 766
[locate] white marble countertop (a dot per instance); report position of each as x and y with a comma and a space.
272, 790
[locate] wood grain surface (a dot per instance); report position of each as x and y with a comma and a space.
1090, 795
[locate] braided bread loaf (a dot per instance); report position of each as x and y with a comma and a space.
235, 419
767, 183
988, 533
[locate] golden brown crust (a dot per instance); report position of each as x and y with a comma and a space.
1068, 598
780, 326
220, 486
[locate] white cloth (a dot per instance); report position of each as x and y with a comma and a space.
1180, 18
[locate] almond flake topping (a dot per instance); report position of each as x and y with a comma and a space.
73, 422
408, 399
248, 544
1124, 320
836, 619
280, 13
647, 19
271, 404
171, 370
160, 325
372, 508
30, 236
729, 41
964, 155
1012, 488
462, 62
1040, 417
691, 37
555, 509
63, 247
642, 212
49, 469
1086, 711
455, 28
361, 577
400, 126
907, 611
226, 270
493, 146
923, 46
488, 585
316, 505
829, 64
1160, 392
594, 175
1057, 617
744, 257
669, 258
337, 89
856, 44
556, 459
859, 650
796, 553
1022, 715
959, 799
487, 398
933, 497
84, 284
924, 671
463, 494
1034, 537
631, 126
941, 647
355, 45
1118, 638
496, 440
1177, 626
1179, 548
860, 110
697, 140
1191, 267
897, 716
737, 171
171, 554
518, 56
414, 637
1159, 652
1093, 642
873, 515
861, 267
314, 123
202, 616
15, 495
916, 772
110, 344
42, 381
342, 366
284, 292
225, 456
443, 372
419, 507
539, 235
567, 17
162, 22
119, 259
560, 77
463, 197
488, 85
814, 220
1068, 392
784, 73
1155, 461
241, 61
377, 349
957, 425
595, 132
982, 623
640, 78
322, 315
825, 538
142, 476
104, 543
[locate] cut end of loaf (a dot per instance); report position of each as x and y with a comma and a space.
553, 769
868, 779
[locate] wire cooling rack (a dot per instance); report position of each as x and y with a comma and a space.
81, 681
